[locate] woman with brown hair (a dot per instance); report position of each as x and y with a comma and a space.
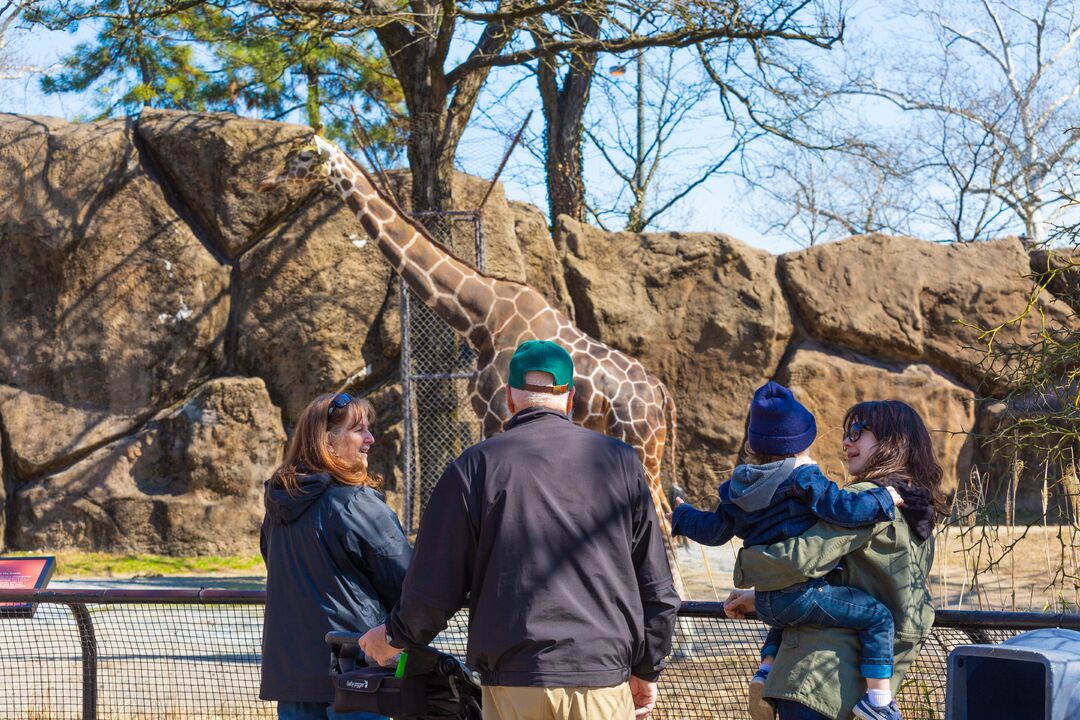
335, 554
815, 675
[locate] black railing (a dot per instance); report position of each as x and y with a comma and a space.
176, 654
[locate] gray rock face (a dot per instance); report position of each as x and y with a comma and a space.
1061, 270
141, 272
544, 268
110, 308
828, 382
214, 161
3, 503
703, 312
316, 307
188, 482
904, 299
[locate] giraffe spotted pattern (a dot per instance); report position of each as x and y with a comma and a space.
615, 395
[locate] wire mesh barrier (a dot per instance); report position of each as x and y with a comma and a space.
180, 654
134, 654
437, 366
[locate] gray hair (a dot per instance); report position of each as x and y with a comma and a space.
527, 398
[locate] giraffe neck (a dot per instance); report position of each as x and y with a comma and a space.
450, 287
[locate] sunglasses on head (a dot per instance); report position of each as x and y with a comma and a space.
340, 400
855, 431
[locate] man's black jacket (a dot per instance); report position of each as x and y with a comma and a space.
547, 531
335, 559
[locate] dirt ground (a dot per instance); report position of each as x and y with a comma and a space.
976, 568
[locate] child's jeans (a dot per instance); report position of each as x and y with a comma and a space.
815, 602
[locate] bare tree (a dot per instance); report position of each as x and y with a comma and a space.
808, 196
995, 100
565, 79
641, 128
10, 66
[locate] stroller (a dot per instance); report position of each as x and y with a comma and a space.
434, 685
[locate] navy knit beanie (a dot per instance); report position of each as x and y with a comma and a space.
779, 424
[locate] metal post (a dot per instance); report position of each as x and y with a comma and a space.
409, 442
478, 236
88, 643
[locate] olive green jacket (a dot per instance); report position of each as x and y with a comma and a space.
819, 667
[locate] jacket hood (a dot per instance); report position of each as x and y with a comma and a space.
918, 509
285, 508
752, 486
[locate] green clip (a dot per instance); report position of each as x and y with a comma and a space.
400, 672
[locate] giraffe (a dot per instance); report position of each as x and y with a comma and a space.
615, 394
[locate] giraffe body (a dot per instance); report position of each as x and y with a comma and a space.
614, 395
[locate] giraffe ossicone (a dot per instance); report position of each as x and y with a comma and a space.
615, 394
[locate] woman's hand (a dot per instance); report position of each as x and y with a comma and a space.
678, 501
738, 603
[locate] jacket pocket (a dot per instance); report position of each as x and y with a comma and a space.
791, 637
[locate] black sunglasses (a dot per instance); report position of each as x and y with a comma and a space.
855, 430
340, 400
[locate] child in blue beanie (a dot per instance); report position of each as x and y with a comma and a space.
781, 496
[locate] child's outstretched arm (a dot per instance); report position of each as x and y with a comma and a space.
847, 509
707, 528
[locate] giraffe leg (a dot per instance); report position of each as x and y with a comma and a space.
652, 453
685, 630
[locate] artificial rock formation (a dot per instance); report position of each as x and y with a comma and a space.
316, 307
217, 183
705, 312
110, 307
162, 325
829, 382
189, 481
904, 299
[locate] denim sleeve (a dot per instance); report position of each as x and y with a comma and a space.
707, 528
841, 507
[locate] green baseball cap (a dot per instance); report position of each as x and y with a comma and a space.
542, 356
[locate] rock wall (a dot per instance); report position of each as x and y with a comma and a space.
162, 325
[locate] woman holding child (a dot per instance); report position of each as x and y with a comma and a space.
841, 648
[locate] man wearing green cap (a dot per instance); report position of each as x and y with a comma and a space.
547, 532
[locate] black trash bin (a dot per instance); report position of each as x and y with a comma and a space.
1032, 676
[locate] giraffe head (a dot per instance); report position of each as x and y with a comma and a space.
306, 163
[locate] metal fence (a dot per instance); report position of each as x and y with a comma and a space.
436, 366
179, 654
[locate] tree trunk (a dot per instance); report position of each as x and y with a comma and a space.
565, 169
431, 162
313, 104
564, 132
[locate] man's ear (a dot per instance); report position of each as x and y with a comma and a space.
570, 402
510, 400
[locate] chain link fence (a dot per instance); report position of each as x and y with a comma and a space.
436, 366
187, 654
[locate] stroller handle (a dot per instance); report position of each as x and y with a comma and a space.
343, 638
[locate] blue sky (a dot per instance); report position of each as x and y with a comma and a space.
716, 206
722, 204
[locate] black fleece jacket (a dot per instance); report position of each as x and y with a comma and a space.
547, 531
335, 559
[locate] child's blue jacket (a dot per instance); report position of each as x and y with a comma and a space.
766, 504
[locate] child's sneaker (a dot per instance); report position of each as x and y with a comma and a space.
760, 708
864, 710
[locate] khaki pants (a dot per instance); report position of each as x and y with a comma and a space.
539, 703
